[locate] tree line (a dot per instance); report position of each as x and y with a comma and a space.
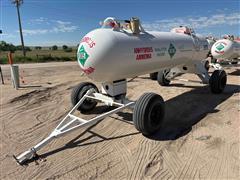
4, 46
10, 47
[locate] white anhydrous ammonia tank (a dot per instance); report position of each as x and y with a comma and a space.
226, 49
107, 55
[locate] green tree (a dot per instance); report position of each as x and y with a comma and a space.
38, 47
7, 47
3, 45
65, 47
11, 48
27, 48
54, 47
19, 47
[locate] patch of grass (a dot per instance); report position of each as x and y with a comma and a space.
36, 56
68, 50
3, 60
22, 59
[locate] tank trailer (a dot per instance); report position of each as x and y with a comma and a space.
122, 49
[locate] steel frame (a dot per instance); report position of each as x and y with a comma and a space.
71, 122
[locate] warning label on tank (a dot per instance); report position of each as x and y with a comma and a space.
143, 53
88, 70
82, 56
89, 41
171, 50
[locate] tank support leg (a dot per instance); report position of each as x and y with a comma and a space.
197, 68
172, 73
202, 72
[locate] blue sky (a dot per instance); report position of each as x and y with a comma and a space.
49, 22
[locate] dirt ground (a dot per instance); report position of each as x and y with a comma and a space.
199, 138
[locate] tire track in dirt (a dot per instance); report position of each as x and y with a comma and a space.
35, 114
44, 96
125, 156
82, 147
173, 164
187, 166
166, 174
212, 165
221, 165
154, 166
28, 130
141, 151
101, 156
217, 150
235, 160
158, 167
13, 174
220, 174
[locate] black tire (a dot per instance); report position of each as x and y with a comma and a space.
207, 66
153, 76
218, 81
234, 62
162, 80
78, 92
148, 113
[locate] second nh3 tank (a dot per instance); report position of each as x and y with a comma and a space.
226, 49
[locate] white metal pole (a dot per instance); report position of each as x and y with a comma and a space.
15, 76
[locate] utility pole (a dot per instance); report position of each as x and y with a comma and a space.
18, 3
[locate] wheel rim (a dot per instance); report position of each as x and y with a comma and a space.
155, 115
87, 102
223, 82
166, 81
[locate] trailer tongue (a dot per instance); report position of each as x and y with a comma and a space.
71, 122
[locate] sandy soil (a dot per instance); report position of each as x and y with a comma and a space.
199, 138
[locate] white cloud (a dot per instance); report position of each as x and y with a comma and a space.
6, 35
63, 22
58, 27
41, 19
38, 21
50, 43
62, 26
34, 31
195, 22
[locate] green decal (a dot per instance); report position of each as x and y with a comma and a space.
82, 55
220, 47
171, 50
